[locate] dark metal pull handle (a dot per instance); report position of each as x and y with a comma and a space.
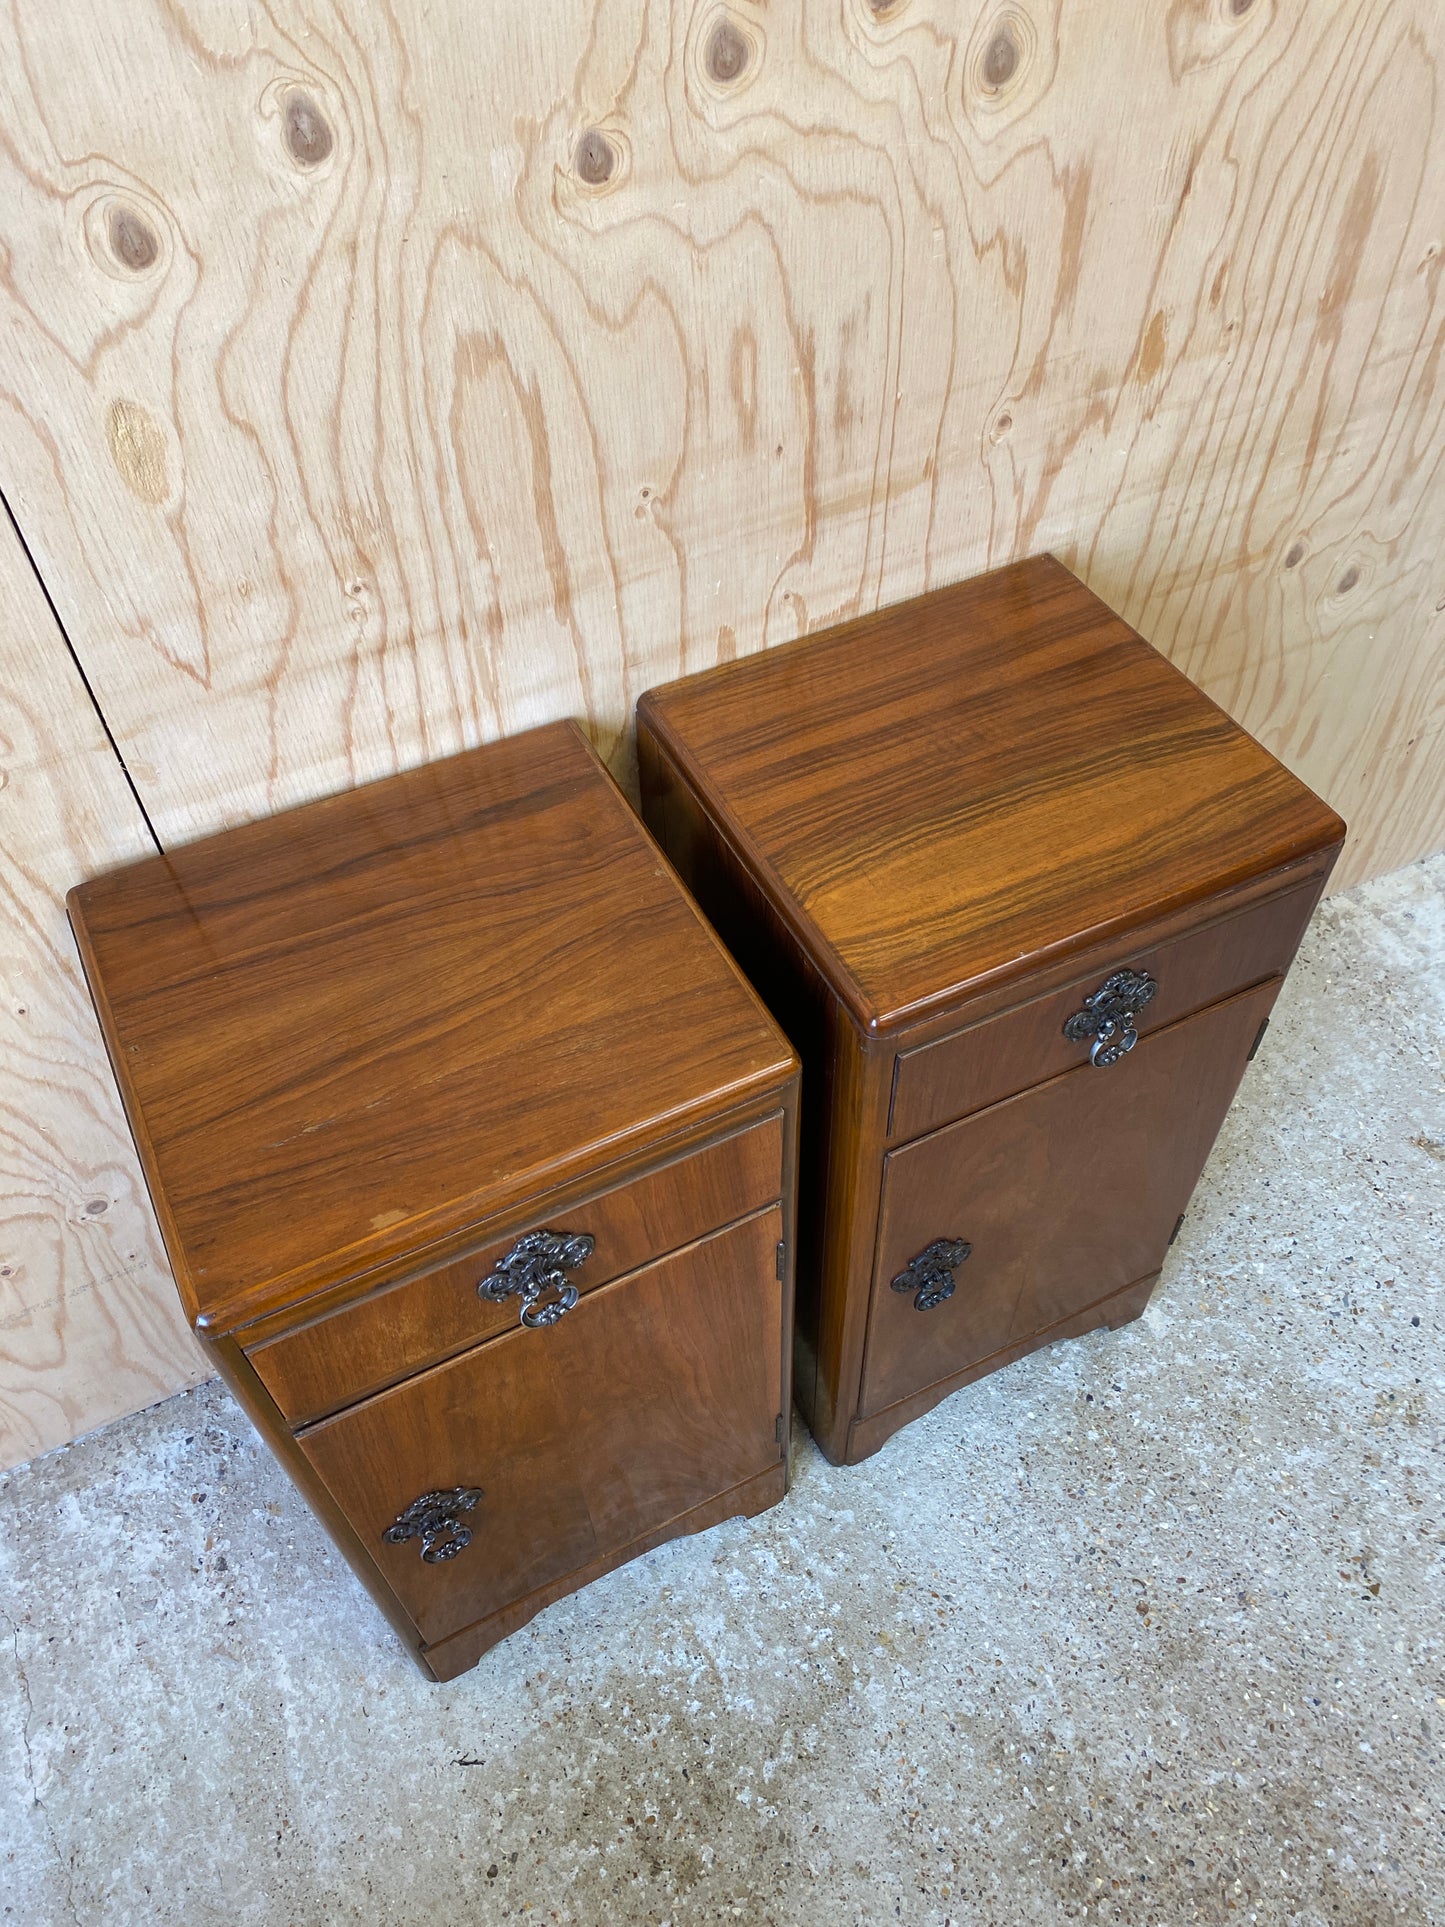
536, 1264
930, 1274
435, 1519
1108, 1016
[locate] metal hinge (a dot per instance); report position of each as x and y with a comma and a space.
782, 1259
1258, 1040
1178, 1227
778, 1429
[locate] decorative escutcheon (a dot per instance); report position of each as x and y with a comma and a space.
435, 1519
1108, 1016
930, 1274
536, 1264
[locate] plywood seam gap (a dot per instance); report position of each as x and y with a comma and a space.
80, 671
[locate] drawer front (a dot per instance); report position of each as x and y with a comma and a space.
1004, 1054
1065, 1194
657, 1393
400, 1330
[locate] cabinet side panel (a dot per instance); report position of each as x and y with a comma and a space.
256, 1403
844, 1098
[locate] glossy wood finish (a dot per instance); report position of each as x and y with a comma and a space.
1067, 1193
337, 463
407, 1326
1002, 1054
926, 835
655, 1393
367, 1046
344, 1033
947, 793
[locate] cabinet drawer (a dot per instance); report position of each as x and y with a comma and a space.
405, 1327
655, 1394
1066, 1194
993, 1059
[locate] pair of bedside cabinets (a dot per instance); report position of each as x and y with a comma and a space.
476, 1153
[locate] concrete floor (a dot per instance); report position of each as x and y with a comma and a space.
1149, 1628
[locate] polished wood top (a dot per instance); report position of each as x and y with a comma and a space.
955, 790
360, 1026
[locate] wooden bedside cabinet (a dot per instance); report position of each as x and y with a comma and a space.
473, 1152
1022, 897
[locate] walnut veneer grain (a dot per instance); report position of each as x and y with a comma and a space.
928, 835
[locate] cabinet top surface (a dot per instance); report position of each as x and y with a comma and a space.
358, 1027
955, 790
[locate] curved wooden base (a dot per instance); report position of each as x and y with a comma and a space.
867, 1435
452, 1656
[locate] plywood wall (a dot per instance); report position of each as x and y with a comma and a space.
89, 1323
376, 380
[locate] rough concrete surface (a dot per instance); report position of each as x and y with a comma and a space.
1147, 1628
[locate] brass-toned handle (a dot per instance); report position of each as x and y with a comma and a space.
435, 1519
539, 1263
930, 1274
1108, 1016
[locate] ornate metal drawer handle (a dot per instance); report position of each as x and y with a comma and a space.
435, 1519
930, 1274
1108, 1016
539, 1263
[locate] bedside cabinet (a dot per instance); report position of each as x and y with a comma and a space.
474, 1157
1022, 897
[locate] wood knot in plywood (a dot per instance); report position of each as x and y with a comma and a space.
1001, 57
306, 131
1004, 52
1010, 64
729, 52
596, 158
725, 56
138, 449
1201, 32
132, 240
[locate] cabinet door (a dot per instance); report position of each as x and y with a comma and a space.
1066, 1194
651, 1396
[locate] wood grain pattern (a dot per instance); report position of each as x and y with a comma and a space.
373, 380
922, 832
947, 794
404, 1327
89, 1326
352, 1034
374, 1040
999, 1055
654, 1394
1068, 1193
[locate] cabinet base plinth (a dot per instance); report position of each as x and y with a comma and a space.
452, 1656
867, 1435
